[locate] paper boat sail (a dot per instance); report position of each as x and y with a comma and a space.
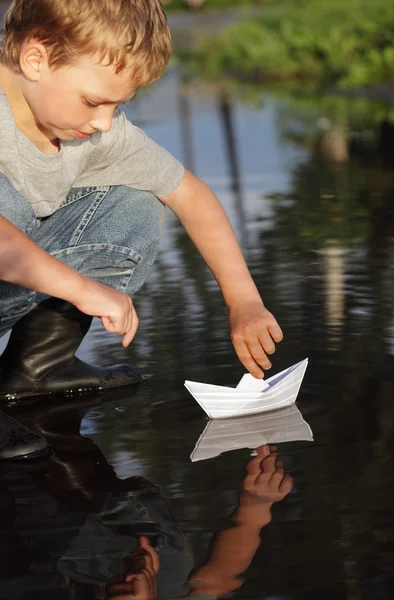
283, 425
252, 395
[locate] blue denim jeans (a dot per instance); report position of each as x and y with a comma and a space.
110, 234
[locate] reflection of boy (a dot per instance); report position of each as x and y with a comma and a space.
83, 183
67, 527
77, 539
72, 525
232, 550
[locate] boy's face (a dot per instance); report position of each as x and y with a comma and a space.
74, 101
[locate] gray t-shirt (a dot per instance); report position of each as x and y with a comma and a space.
122, 156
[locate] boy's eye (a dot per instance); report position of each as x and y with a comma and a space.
90, 104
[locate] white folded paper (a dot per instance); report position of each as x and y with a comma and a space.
251, 395
283, 425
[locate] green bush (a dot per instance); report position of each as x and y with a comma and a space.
337, 42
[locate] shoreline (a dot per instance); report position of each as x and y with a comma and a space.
379, 92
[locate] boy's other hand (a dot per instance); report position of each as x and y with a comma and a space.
138, 586
139, 581
254, 332
114, 308
144, 557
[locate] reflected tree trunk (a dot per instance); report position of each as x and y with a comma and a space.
335, 142
226, 115
334, 288
186, 124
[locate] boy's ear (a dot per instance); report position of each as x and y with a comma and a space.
33, 58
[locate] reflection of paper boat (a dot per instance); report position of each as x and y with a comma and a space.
284, 425
278, 391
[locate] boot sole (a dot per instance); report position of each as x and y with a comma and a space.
15, 398
28, 460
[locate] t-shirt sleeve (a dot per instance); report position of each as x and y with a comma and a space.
125, 155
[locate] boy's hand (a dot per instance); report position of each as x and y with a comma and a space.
266, 482
139, 581
114, 308
138, 586
145, 556
254, 331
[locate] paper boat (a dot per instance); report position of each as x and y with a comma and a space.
283, 425
251, 395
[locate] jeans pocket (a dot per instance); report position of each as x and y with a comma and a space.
79, 193
106, 263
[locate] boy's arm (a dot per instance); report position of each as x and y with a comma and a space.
253, 328
24, 263
233, 549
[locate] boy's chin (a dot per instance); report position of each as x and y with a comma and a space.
66, 135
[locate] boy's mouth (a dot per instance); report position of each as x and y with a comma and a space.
81, 134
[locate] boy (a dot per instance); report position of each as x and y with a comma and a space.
88, 187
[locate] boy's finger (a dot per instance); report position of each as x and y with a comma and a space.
266, 342
263, 451
253, 468
146, 545
127, 338
129, 335
145, 584
286, 485
114, 589
257, 353
151, 581
107, 324
276, 479
268, 464
139, 562
246, 359
113, 325
275, 332
279, 464
148, 562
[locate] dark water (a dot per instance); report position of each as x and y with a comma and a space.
308, 185
317, 234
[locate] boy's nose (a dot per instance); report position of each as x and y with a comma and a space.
103, 120
101, 124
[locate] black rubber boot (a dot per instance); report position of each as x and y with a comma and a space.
19, 442
39, 357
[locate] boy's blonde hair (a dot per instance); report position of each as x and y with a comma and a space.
122, 32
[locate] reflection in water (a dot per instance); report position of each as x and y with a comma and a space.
320, 246
334, 290
186, 127
73, 529
320, 232
227, 118
223, 435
